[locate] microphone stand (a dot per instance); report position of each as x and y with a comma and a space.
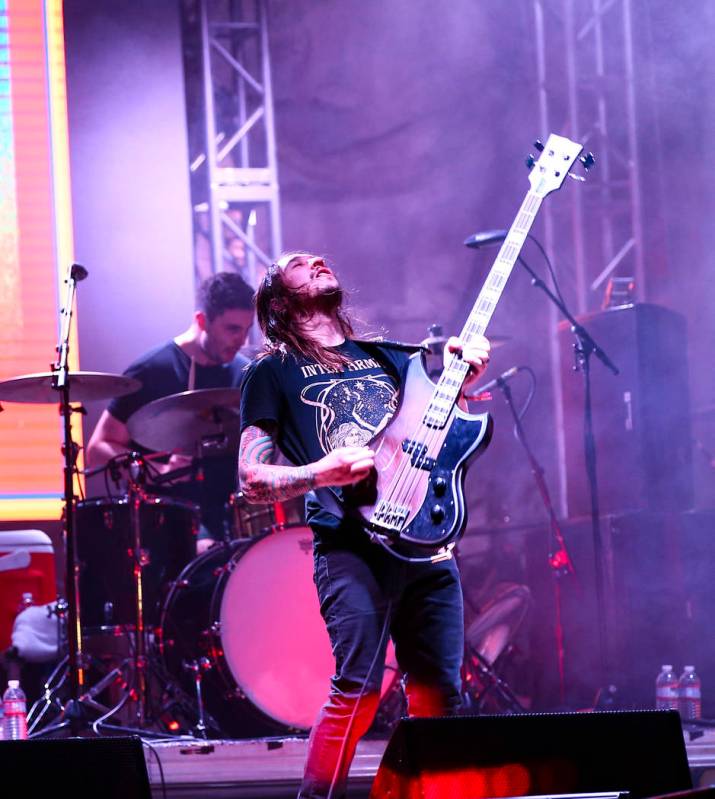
584, 347
559, 560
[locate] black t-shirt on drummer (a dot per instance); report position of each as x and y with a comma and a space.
317, 410
163, 371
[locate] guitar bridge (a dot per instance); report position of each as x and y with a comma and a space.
418, 455
389, 515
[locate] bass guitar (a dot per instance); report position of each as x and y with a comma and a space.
416, 493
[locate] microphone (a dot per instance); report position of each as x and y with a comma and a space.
497, 382
485, 239
78, 272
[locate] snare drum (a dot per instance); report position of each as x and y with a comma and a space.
250, 607
105, 552
248, 520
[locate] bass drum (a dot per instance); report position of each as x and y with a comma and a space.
250, 608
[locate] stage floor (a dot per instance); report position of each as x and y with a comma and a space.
272, 767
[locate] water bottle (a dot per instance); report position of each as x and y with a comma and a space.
690, 694
14, 704
27, 601
667, 696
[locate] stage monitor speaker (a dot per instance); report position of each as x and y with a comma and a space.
641, 417
83, 768
469, 757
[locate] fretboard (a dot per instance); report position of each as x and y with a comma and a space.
450, 383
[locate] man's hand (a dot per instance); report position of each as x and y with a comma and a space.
344, 466
476, 354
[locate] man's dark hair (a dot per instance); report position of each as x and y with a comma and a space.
223, 292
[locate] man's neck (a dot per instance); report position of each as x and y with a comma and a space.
190, 343
324, 329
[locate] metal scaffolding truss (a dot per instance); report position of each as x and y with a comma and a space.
235, 190
593, 232
586, 87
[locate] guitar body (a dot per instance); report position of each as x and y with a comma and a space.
427, 486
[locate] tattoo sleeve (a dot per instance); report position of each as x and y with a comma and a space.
260, 480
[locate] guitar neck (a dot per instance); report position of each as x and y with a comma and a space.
494, 285
450, 383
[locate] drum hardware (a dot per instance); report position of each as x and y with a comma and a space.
137, 690
198, 668
488, 643
129, 548
63, 387
482, 682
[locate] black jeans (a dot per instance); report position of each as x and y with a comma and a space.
366, 596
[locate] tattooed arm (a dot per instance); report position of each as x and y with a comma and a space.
262, 482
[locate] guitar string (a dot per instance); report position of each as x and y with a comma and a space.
432, 443
406, 477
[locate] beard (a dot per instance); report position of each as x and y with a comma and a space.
327, 300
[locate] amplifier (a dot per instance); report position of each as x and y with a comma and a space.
641, 417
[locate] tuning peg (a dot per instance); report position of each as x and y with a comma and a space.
539, 145
587, 160
530, 160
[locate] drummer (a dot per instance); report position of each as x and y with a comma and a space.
206, 355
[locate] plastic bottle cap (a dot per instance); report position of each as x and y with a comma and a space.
667, 668
690, 668
13, 683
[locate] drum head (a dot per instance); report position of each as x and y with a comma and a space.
273, 637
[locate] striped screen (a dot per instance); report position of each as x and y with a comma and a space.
35, 248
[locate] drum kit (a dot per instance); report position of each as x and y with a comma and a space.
160, 641
227, 643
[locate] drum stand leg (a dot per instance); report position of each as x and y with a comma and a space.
50, 699
481, 679
198, 668
137, 688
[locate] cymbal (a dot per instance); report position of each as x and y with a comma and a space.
84, 386
206, 419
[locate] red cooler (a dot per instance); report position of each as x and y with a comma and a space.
27, 566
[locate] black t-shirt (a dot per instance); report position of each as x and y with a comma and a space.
163, 371
316, 410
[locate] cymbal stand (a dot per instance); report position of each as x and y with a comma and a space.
72, 715
136, 496
477, 670
136, 688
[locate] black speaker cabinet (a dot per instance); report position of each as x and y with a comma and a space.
641, 417
83, 768
641, 752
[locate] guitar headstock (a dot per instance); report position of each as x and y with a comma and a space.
557, 157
